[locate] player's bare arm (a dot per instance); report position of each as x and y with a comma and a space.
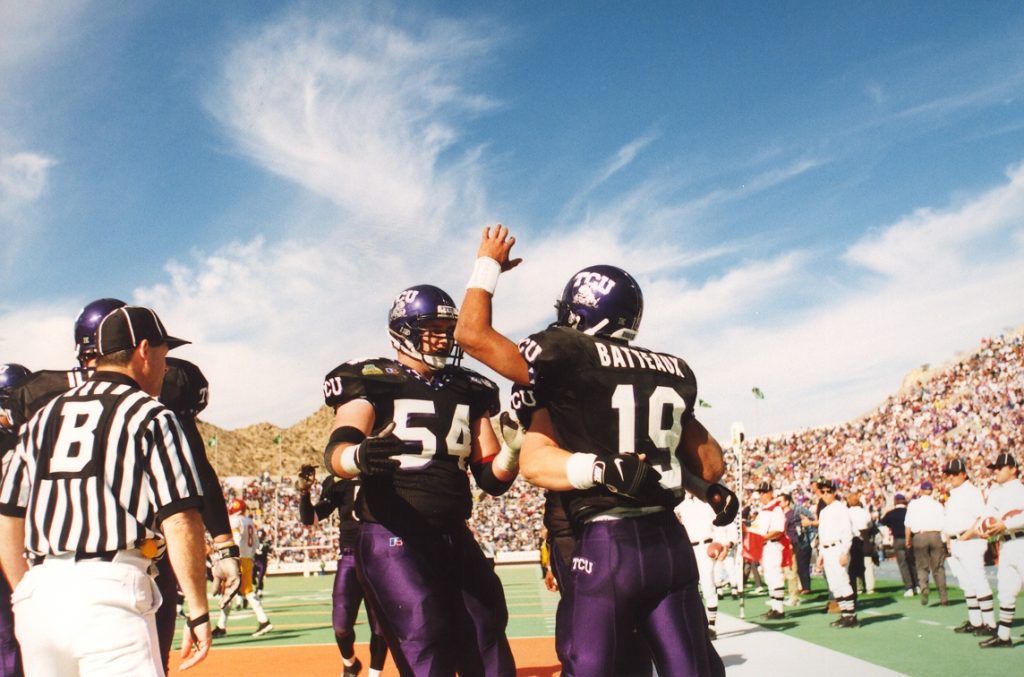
474, 330
12, 549
185, 536
701, 453
357, 414
542, 462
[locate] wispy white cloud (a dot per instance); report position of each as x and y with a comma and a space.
931, 240
357, 110
22, 180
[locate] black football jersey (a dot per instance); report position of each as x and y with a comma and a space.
607, 397
434, 416
38, 388
340, 494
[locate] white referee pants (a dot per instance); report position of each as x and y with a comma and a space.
89, 618
1010, 580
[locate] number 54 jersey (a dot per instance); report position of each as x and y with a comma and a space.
606, 397
434, 416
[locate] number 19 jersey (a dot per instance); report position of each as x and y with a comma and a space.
606, 397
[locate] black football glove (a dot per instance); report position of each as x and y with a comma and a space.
724, 502
375, 456
627, 475
306, 478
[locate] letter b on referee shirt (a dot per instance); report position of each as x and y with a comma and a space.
76, 439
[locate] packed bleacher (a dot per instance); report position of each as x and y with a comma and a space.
973, 409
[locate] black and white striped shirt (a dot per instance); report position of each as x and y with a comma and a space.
97, 468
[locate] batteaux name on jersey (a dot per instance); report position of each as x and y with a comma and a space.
623, 356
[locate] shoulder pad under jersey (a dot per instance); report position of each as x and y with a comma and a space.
361, 379
38, 389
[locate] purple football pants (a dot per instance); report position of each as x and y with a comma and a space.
439, 603
634, 573
348, 595
10, 653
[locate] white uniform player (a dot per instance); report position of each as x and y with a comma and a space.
1005, 518
770, 523
728, 568
835, 536
964, 508
244, 531
697, 517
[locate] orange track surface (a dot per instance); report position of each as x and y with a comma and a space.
534, 658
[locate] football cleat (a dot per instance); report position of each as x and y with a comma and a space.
263, 628
996, 643
966, 628
352, 670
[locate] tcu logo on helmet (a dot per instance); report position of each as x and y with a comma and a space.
402, 300
588, 285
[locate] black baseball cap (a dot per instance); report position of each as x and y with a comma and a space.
1002, 460
954, 467
126, 327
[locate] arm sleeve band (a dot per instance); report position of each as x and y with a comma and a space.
485, 275
485, 479
345, 433
579, 470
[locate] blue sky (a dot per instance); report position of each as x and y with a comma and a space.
815, 199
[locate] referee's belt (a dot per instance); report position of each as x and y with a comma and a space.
1010, 535
704, 542
106, 556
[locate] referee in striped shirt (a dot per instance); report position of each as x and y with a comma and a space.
101, 478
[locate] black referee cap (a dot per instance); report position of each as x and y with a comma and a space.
127, 327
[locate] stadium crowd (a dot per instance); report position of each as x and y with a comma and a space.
974, 409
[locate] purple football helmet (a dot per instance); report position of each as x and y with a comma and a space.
602, 301
88, 323
10, 376
417, 305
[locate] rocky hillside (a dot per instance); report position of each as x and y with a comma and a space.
259, 447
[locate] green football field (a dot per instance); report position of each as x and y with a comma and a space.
898, 633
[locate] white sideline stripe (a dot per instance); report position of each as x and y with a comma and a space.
746, 649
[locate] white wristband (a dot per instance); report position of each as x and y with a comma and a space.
507, 460
348, 460
579, 470
485, 275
